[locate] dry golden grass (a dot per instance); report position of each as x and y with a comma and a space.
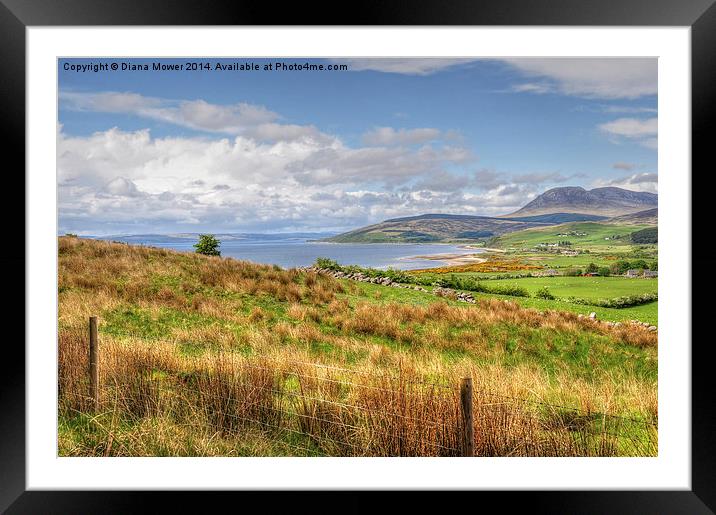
304, 408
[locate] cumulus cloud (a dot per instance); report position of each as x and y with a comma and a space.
389, 136
443, 181
404, 66
642, 131
128, 181
121, 187
489, 179
606, 78
388, 166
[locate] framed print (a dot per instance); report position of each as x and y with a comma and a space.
417, 253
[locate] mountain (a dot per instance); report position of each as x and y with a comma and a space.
555, 206
434, 228
647, 217
608, 201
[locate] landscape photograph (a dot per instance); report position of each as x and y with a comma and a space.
357, 257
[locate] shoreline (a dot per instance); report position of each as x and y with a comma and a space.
441, 259
452, 259
459, 259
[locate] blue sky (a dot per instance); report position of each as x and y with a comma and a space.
278, 151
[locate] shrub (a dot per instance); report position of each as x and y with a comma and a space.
544, 293
639, 264
604, 271
208, 245
591, 269
330, 264
618, 302
649, 235
507, 289
573, 272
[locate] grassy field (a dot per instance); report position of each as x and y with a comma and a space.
586, 287
190, 342
565, 288
580, 234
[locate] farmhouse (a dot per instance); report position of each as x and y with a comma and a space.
651, 273
632, 273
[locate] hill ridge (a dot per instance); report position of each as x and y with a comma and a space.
608, 201
554, 206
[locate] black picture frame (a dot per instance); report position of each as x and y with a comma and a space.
17, 15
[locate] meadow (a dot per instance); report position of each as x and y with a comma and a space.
586, 287
205, 356
605, 237
648, 313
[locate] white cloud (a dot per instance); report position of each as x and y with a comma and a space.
405, 66
384, 165
117, 181
287, 132
631, 127
642, 131
443, 181
646, 181
389, 136
533, 87
121, 187
232, 119
608, 78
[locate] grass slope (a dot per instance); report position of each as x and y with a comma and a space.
167, 318
595, 235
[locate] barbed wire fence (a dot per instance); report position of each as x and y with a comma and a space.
312, 409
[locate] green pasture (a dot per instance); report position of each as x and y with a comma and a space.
594, 235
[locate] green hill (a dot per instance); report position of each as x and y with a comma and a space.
579, 234
440, 228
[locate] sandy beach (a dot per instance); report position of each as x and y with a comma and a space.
454, 259
451, 259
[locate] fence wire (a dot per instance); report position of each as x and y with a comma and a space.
308, 414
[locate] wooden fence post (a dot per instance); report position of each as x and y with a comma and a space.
93, 365
468, 445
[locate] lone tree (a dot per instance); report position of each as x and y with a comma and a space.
208, 245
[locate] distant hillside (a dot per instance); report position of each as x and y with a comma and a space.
559, 218
599, 201
647, 217
434, 228
580, 234
556, 206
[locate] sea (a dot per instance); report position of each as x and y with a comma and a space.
298, 250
